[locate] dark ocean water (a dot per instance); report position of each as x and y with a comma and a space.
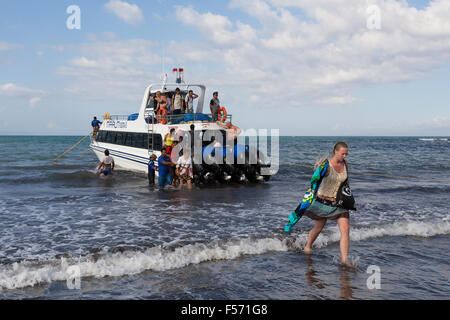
130, 242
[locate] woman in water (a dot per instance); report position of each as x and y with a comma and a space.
323, 208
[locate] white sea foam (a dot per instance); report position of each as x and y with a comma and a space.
24, 274
400, 228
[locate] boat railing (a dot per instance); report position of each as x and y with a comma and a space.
171, 118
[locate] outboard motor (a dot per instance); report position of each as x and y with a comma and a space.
248, 162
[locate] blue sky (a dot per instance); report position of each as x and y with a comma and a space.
305, 67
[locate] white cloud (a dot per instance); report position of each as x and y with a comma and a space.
58, 48
217, 28
119, 69
157, 16
129, 13
13, 90
342, 100
318, 49
34, 101
436, 122
39, 53
5, 46
83, 62
304, 52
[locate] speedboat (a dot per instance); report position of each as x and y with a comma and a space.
132, 139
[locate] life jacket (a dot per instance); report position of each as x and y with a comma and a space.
169, 151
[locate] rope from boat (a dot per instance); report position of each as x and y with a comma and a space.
71, 148
378, 174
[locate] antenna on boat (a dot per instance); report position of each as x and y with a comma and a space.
163, 61
163, 66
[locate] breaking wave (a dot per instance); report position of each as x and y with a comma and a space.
159, 258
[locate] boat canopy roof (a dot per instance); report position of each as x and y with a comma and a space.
164, 87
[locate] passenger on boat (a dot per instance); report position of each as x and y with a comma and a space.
107, 165
161, 102
190, 101
169, 102
168, 138
177, 102
151, 170
233, 132
164, 164
151, 103
214, 105
184, 170
95, 127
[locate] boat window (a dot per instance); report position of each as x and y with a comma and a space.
131, 139
100, 136
118, 138
109, 137
139, 141
157, 143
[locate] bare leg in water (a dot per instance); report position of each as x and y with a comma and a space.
344, 228
312, 236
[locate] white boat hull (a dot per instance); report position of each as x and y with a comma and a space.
126, 158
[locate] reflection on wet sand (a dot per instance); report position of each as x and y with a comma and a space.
312, 279
311, 274
346, 288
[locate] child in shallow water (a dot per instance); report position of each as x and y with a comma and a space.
107, 165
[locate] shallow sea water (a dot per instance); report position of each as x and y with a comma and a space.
222, 242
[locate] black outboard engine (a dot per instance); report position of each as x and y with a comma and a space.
247, 165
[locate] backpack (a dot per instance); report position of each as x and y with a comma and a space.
344, 197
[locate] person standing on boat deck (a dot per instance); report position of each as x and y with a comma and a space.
169, 102
151, 102
214, 105
151, 170
233, 132
324, 206
177, 102
161, 102
107, 165
190, 101
168, 138
95, 127
164, 164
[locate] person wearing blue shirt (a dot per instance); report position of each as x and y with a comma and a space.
95, 127
163, 169
151, 170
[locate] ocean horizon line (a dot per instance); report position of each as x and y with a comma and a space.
309, 136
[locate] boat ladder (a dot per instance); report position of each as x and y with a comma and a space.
149, 116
